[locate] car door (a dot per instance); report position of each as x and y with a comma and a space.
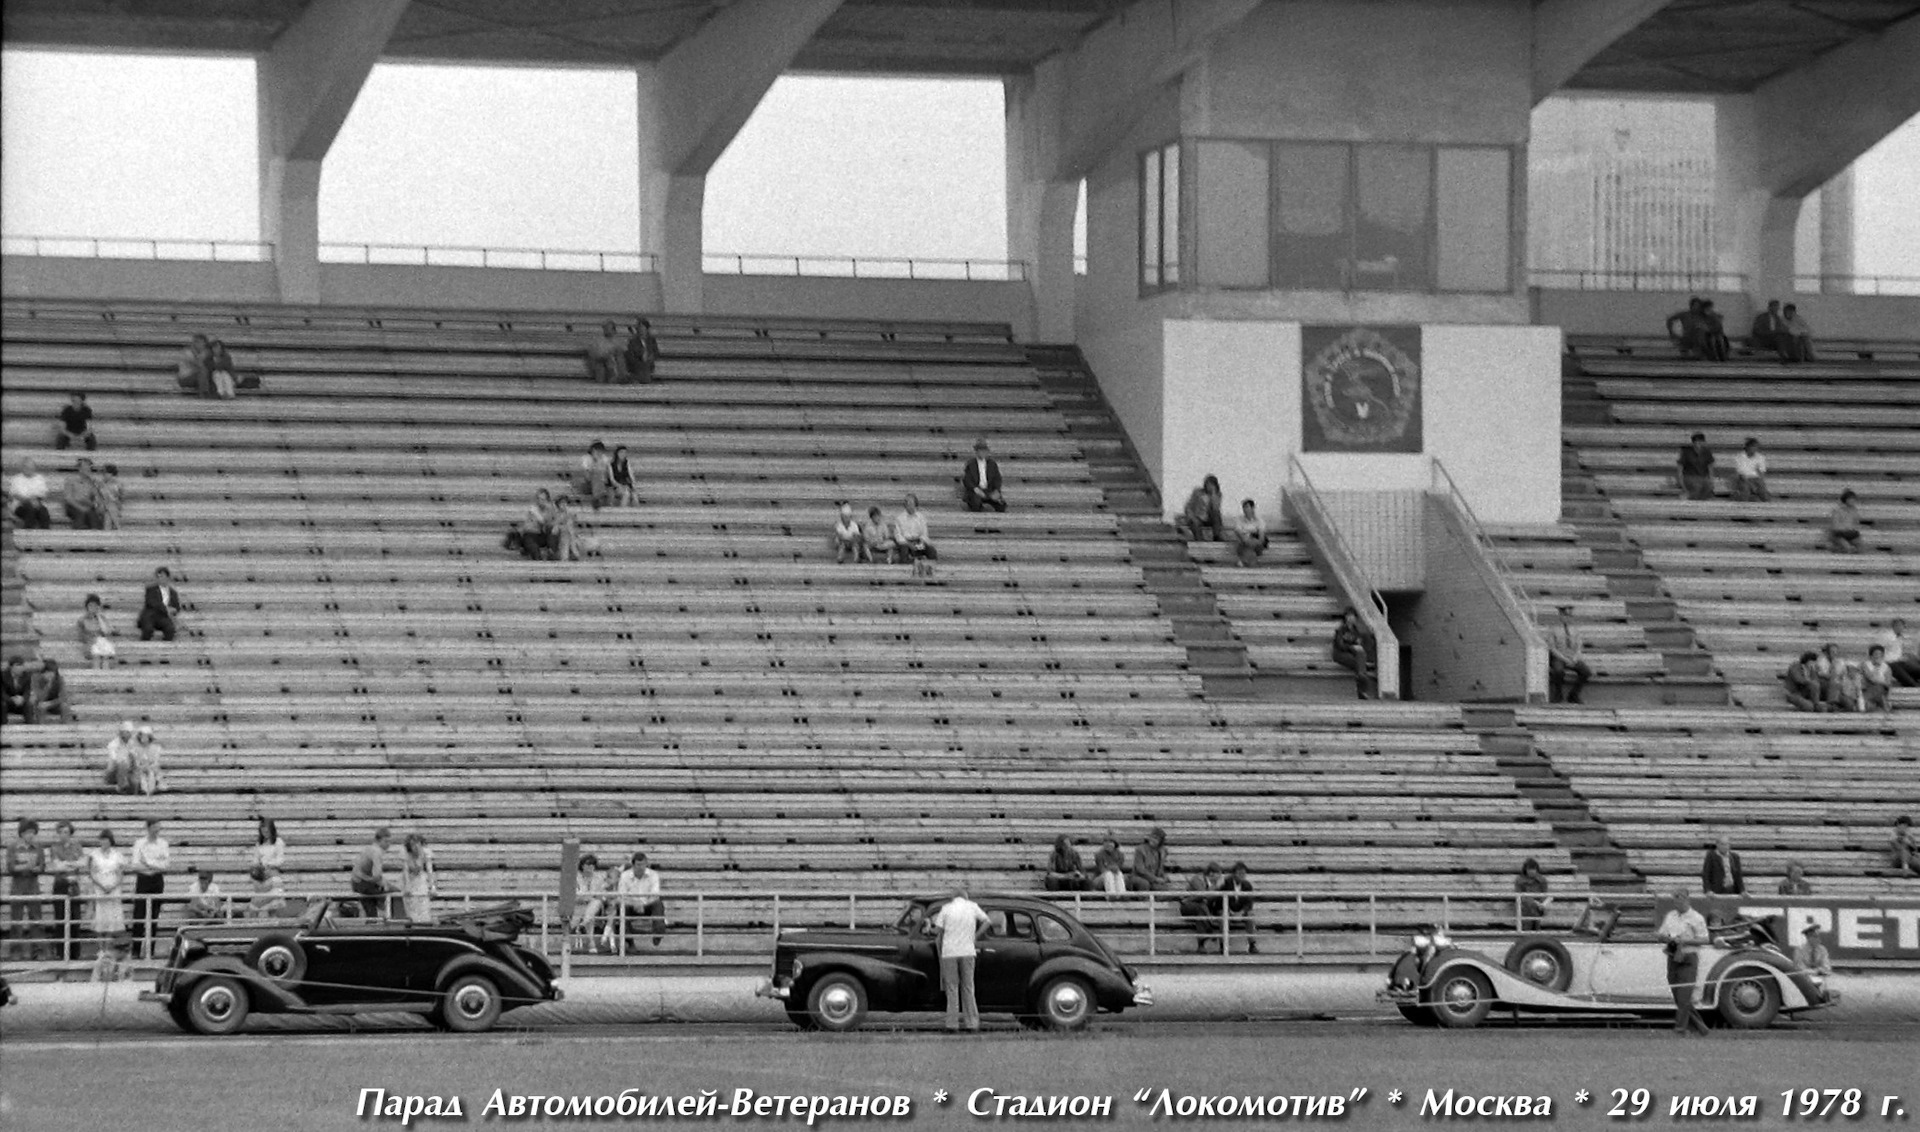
1008, 957
351, 959
1630, 973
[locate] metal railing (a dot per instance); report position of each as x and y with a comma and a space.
117, 247
864, 267
1581, 279
744, 924
1857, 284
1509, 593
1324, 532
521, 259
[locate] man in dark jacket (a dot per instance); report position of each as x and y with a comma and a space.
161, 607
980, 481
1720, 873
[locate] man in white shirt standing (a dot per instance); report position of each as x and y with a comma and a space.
640, 902
1902, 657
149, 861
1750, 473
959, 925
1684, 931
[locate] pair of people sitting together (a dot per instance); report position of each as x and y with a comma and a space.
1201, 521
903, 538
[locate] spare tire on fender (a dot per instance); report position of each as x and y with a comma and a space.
280, 958
1542, 961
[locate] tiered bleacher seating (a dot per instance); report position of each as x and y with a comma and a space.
360, 650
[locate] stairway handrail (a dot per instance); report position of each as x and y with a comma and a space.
1310, 511
1509, 593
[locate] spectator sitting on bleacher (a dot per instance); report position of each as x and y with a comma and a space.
96, 634
205, 901
1531, 884
1768, 327
1110, 868
1806, 691
1249, 534
27, 497
195, 366
846, 536
1065, 871
1688, 330
1796, 341
640, 905
1714, 334
1695, 474
1201, 907
643, 350
1150, 867
16, 685
1567, 670
596, 473
606, 356
119, 773
146, 761
1201, 518
160, 607
221, 368
1843, 525
589, 901
1902, 656
876, 537
1904, 849
1750, 473
269, 897
980, 480
1355, 650
910, 538
49, 694
1876, 681
80, 498
111, 494
620, 469
1830, 668
531, 535
1795, 882
1240, 907
76, 424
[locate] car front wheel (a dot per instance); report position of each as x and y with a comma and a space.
837, 1002
1749, 1000
470, 1005
216, 1005
1066, 1003
1461, 998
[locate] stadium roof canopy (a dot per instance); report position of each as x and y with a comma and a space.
1689, 46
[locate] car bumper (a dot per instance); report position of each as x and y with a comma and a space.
770, 989
1397, 996
1142, 995
155, 996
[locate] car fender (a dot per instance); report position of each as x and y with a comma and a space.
890, 985
1508, 988
513, 984
1797, 991
265, 995
1112, 991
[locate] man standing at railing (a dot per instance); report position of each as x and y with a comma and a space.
66, 861
148, 861
1567, 671
25, 862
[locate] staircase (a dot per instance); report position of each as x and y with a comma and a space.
1575, 827
1689, 676
16, 618
1214, 652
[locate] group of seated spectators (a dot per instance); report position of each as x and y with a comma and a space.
35, 691
550, 530
206, 369
90, 498
1694, 470
877, 538
1823, 681
133, 760
617, 904
1202, 520
612, 360
1700, 331
1151, 870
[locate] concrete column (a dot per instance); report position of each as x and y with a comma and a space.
1836, 233
305, 86
1754, 224
692, 103
1040, 206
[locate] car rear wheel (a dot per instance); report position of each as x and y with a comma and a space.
1749, 1000
1461, 998
470, 1005
216, 1005
1066, 1003
1542, 962
837, 1003
280, 958
1418, 1015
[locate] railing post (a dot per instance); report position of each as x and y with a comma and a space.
1299, 925
1151, 926
1226, 929
543, 923
1373, 924
1446, 912
776, 916
852, 922
699, 924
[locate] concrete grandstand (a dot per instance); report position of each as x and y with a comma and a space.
788, 736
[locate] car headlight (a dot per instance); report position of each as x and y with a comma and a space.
1422, 942
796, 968
1441, 939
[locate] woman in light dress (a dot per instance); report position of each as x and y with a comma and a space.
417, 887
96, 634
106, 865
269, 851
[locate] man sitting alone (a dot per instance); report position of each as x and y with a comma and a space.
1567, 671
606, 357
1249, 534
1750, 473
1796, 341
76, 424
980, 481
1804, 688
1843, 525
1696, 468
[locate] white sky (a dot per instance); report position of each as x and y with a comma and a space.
145, 146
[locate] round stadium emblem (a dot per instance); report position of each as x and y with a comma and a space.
1362, 390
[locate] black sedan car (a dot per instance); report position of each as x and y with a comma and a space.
1036, 962
461, 973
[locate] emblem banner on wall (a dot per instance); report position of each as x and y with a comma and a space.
1360, 388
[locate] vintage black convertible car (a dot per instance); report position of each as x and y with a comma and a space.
1036, 962
462, 972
